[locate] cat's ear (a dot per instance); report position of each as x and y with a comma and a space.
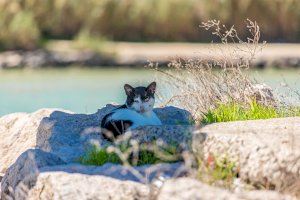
151, 88
128, 89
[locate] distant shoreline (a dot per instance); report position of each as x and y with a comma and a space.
63, 54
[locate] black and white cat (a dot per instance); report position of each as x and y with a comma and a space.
137, 111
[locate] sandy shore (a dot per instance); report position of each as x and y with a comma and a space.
271, 54
65, 53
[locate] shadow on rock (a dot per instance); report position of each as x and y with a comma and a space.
63, 137
27, 165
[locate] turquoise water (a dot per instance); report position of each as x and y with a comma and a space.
85, 90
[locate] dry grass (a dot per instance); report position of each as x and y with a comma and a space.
199, 85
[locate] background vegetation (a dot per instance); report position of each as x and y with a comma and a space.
27, 24
233, 111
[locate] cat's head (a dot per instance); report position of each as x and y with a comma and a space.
140, 99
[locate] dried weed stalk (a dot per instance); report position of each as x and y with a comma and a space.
198, 85
154, 176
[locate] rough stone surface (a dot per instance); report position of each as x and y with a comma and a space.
58, 134
18, 133
63, 133
31, 167
66, 186
187, 188
70, 135
170, 134
265, 151
38, 151
174, 116
146, 173
27, 165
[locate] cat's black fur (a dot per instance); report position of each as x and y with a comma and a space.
112, 129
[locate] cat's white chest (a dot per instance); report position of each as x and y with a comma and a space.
136, 118
155, 119
151, 119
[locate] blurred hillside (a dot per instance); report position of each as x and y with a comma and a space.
28, 24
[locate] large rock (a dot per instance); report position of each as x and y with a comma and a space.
142, 174
171, 115
18, 133
64, 136
265, 151
38, 151
34, 167
169, 134
187, 188
69, 135
63, 133
66, 186
27, 165
40, 175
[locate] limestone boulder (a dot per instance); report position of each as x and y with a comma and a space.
39, 151
188, 188
35, 170
65, 134
67, 186
27, 165
264, 151
18, 133
51, 137
69, 135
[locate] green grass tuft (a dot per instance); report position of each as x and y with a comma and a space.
224, 170
97, 156
217, 171
235, 111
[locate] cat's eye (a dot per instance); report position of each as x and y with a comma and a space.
146, 99
136, 101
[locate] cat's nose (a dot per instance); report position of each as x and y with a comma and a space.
142, 109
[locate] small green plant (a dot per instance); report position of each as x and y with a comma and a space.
147, 154
224, 170
292, 111
97, 156
217, 171
233, 111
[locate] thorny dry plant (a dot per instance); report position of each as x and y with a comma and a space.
156, 174
157, 147
198, 85
153, 176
